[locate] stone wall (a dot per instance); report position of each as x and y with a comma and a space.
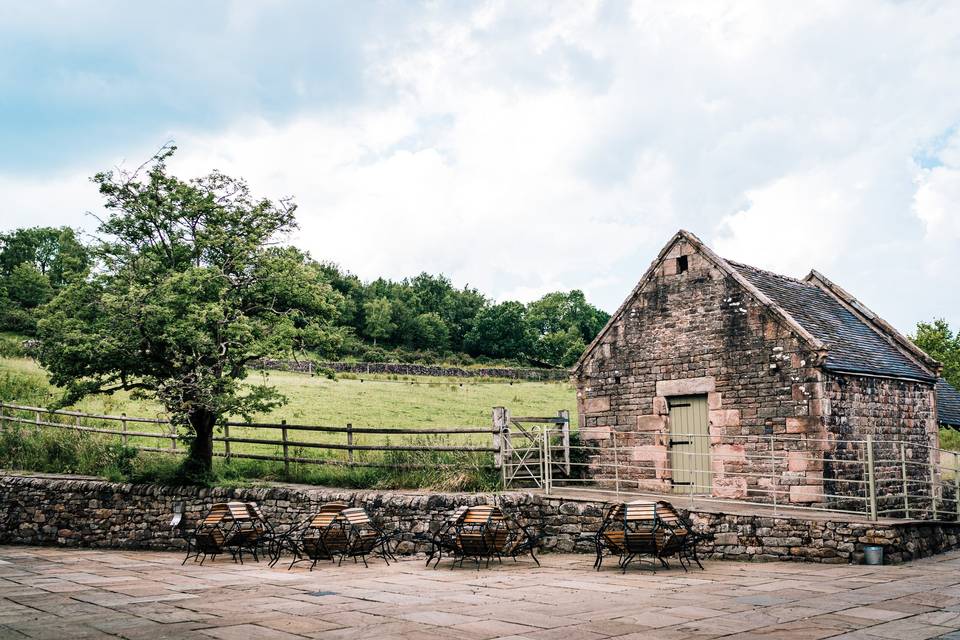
700, 332
893, 412
85, 513
409, 369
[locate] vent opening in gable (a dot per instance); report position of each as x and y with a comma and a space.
681, 264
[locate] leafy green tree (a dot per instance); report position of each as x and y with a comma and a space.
940, 342
431, 291
189, 289
377, 318
500, 331
431, 332
561, 348
460, 308
559, 311
56, 253
563, 323
27, 287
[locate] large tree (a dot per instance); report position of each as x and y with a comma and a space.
563, 324
190, 286
942, 344
500, 331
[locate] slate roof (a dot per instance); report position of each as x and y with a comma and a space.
853, 345
948, 403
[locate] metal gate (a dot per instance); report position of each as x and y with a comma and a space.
533, 448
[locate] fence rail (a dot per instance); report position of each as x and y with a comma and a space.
286, 449
871, 477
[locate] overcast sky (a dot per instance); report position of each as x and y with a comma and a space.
515, 146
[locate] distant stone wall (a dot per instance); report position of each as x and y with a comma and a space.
85, 513
407, 369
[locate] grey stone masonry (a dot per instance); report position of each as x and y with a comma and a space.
91, 513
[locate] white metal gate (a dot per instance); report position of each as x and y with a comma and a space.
533, 448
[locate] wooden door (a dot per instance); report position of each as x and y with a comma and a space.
690, 444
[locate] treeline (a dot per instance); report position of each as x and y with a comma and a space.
422, 319
35, 264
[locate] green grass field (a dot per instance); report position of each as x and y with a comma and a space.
376, 401
370, 401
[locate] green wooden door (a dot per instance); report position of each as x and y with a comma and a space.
690, 444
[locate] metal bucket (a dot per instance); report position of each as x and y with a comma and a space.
873, 554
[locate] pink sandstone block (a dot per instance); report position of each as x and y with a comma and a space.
724, 418
729, 487
803, 424
806, 493
798, 461
713, 400
651, 423
649, 453
596, 405
595, 433
660, 407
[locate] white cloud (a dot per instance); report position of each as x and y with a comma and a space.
523, 148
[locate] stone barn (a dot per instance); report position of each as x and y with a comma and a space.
720, 379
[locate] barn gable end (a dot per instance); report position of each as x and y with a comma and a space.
695, 329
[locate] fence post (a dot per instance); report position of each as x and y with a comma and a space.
226, 441
123, 428
616, 463
565, 437
773, 474
871, 480
903, 477
956, 484
499, 424
545, 438
3, 419
933, 483
286, 455
173, 437
350, 441
36, 420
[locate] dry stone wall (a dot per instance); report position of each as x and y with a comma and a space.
410, 369
86, 513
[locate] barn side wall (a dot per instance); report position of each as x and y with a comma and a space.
893, 412
698, 332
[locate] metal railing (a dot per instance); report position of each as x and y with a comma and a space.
870, 477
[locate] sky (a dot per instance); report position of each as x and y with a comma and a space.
519, 148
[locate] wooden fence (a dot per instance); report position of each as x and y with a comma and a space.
130, 430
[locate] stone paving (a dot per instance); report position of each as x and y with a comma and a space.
67, 594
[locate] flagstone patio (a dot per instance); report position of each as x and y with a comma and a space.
67, 594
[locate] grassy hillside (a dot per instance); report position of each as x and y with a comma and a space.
370, 401
381, 401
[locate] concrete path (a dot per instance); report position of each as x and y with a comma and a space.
73, 594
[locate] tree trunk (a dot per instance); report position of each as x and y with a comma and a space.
200, 458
